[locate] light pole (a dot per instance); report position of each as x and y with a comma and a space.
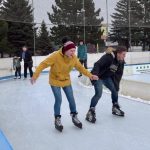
129, 21
107, 17
84, 21
144, 4
145, 21
33, 24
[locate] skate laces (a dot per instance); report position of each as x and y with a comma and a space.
117, 106
92, 110
75, 118
58, 121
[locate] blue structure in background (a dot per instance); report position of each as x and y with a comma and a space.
4, 144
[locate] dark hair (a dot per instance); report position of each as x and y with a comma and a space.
65, 39
81, 41
25, 46
121, 49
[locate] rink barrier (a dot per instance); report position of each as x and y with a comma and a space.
129, 70
132, 88
12, 76
128, 87
136, 89
6, 64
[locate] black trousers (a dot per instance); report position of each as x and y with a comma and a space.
84, 62
18, 71
28, 65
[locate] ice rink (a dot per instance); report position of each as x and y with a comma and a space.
26, 119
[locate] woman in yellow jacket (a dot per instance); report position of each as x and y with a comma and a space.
61, 63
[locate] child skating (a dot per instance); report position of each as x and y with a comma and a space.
17, 67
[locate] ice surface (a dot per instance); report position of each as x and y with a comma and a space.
26, 118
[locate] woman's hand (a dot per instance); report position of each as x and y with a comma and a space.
32, 80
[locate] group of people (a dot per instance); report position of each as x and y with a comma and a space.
26, 56
108, 71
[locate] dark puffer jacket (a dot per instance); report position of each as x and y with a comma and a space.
108, 66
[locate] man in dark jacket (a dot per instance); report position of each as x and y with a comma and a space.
28, 62
109, 68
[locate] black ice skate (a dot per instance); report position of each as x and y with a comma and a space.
79, 75
58, 124
117, 111
76, 121
91, 115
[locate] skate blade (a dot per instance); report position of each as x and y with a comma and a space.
122, 115
59, 128
91, 121
78, 125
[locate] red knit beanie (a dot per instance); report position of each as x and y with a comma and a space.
67, 46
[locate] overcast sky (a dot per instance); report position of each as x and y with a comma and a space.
44, 6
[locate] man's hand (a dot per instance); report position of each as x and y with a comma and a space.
32, 80
94, 77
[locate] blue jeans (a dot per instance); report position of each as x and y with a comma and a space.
58, 99
98, 86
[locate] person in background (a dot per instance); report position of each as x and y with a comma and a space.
62, 62
17, 67
82, 54
109, 68
28, 62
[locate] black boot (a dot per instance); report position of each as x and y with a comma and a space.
79, 75
91, 115
76, 121
58, 124
116, 110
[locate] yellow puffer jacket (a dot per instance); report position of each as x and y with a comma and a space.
60, 67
